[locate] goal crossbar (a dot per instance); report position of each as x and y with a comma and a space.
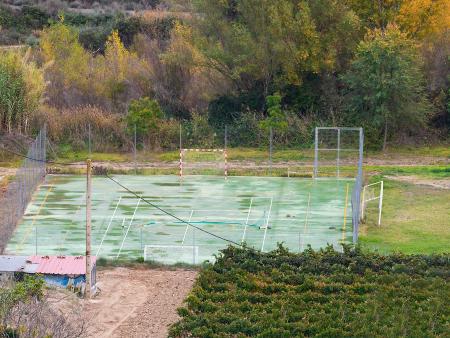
182, 161
177, 251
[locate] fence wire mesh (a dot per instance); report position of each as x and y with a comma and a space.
19, 191
338, 152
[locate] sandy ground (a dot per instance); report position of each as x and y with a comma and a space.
131, 302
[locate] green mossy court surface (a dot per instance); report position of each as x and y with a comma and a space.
124, 228
318, 294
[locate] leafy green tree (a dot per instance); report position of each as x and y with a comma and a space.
263, 46
276, 118
386, 84
145, 115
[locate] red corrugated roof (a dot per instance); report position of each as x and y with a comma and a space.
61, 265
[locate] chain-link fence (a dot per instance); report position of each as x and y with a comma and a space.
14, 200
338, 153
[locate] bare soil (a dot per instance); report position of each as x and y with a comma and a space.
131, 302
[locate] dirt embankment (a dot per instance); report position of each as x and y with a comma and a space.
131, 302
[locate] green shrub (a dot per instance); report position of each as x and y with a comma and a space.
318, 293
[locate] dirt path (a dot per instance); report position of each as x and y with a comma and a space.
137, 303
436, 183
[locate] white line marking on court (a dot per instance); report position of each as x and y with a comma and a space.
187, 227
129, 226
267, 225
246, 221
306, 224
109, 224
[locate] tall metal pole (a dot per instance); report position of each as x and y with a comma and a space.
358, 186
88, 226
270, 149
134, 150
226, 152
181, 155
226, 137
338, 171
316, 152
89, 136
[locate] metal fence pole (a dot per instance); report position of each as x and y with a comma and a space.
357, 190
226, 137
89, 138
316, 152
338, 169
134, 151
270, 149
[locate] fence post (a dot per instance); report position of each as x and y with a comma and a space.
338, 171
88, 227
316, 152
134, 151
358, 186
226, 152
89, 139
270, 149
181, 153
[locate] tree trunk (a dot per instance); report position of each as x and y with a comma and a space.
385, 135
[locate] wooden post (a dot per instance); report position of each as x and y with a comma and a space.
88, 227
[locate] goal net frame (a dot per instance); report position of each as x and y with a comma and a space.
184, 151
338, 143
192, 250
369, 195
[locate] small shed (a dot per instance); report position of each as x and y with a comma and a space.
14, 267
62, 271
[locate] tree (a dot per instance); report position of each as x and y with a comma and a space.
63, 52
386, 84
68, 70
21, 89
424, 18
276, 118
145, 115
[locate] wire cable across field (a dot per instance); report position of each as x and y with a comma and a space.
178, 218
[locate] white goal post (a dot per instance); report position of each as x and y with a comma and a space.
171, 254
372, 192
183, 156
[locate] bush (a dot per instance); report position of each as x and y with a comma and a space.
144, 116
318, 293
71, 127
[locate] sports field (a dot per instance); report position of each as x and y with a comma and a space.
261, 211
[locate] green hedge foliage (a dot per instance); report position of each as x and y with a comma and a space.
318, 294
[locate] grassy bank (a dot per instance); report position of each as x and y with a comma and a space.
415, 220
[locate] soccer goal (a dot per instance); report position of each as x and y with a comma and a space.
372, 193
171, 254
338, 152
203, 161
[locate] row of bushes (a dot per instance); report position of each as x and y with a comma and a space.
318, 293
114, 132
